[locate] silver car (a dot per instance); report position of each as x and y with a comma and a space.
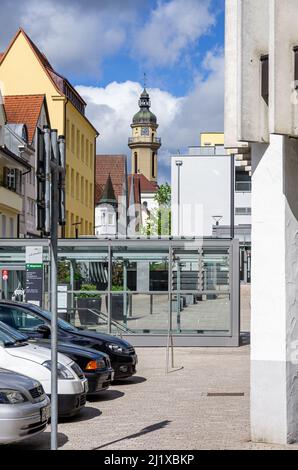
24, 407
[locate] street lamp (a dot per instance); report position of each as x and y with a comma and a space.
179, 164
217, 219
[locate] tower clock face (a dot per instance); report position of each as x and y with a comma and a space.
145, 131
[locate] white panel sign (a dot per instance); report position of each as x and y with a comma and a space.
33, 254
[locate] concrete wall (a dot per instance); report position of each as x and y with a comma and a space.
283, 115
246, 113
255, 28
274, 323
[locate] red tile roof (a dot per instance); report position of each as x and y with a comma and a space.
146, 186
24, 109
114, 165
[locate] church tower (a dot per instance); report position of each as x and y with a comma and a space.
144, 143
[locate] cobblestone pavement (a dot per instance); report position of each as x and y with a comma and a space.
174, 411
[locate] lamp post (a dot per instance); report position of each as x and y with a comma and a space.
217, 219
179, 164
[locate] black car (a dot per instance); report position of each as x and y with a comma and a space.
95, 365
35, 323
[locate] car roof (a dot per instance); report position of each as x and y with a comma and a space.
13, 302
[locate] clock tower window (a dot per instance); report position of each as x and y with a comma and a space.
153, 165
136, 162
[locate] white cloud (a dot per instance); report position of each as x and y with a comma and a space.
77, 35
172, 27
181, 119
112, 108
74, 37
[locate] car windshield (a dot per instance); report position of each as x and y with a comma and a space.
9, 336
13, 334
61, 323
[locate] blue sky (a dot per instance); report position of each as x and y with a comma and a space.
104, 48
178, 78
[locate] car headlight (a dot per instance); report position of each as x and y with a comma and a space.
62, 372
117, 349
11, 397
94, 365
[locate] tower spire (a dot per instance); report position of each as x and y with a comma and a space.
144, 142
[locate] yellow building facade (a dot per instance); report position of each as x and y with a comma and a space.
25, 70
210, 139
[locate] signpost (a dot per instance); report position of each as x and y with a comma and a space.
34, 275
51, 210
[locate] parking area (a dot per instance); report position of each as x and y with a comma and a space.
204, 405
158, 411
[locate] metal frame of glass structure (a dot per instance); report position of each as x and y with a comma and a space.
188, 288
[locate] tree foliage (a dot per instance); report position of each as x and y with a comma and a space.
163, 195
158, 222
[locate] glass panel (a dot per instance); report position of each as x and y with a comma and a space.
91, 313
145, 313
187, 270
216, 266
201, 313
139, 297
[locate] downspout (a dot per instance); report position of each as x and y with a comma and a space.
66, 137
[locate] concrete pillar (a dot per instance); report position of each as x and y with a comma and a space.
274, 324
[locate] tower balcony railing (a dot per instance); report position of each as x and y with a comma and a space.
144, 139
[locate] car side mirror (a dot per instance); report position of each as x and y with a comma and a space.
44, 330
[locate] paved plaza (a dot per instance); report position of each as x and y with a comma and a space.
188, 408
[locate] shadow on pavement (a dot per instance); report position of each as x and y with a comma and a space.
152, 428
106, 396
41, 442
87, 413
130, 381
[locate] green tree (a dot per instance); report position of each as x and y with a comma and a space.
159, 220
163, 195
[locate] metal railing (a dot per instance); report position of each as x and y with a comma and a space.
97, 313
155, 140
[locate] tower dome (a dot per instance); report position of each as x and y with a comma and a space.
144, 115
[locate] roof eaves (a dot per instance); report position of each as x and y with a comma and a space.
15, 157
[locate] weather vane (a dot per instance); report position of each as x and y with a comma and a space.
145, 80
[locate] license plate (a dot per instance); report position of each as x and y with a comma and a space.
44, 414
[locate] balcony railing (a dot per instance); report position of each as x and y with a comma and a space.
243, 186
144, 139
